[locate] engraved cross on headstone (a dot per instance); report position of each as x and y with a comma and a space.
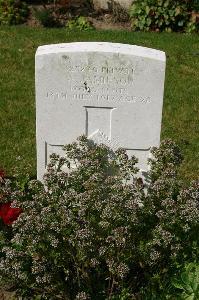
98, 125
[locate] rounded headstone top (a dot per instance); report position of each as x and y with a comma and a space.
105, 47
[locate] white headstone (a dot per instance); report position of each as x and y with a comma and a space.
113, 93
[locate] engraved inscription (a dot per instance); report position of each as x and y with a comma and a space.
88, 96
123, 70
103, 74
56, 95
87, 82
96, 89
96, 79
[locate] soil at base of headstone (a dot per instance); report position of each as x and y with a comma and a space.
106, 23
101, 20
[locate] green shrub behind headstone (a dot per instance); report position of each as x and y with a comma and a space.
13, 12
163, 15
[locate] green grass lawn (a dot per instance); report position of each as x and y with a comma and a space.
17, 98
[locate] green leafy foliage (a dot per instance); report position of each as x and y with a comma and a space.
183, 284
13, 12
188, 282
80, 23
47, 17
193, 5
162, 15
94, 230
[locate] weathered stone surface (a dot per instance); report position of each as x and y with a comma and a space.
103, 4
111, 92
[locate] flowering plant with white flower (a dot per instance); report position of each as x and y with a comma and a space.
97, 230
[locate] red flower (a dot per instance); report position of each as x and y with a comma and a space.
2, 173
8, 213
